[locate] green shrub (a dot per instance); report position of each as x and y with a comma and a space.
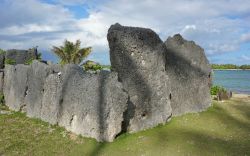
92, 66
9, 61
215, 89
28, 62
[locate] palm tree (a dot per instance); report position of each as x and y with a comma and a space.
71, 53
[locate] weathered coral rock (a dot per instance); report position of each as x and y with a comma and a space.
15, 86
1, 81
37, 74
92, 104
138, 55
88, 104
190, 75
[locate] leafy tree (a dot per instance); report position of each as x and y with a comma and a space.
71, 53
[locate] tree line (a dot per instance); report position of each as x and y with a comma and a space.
230, 66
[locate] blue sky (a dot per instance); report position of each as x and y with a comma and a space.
222, 27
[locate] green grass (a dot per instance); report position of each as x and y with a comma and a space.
224, 129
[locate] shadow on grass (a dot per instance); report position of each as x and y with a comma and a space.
243, 107
206, 143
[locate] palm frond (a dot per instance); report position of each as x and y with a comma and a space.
81, 55
59, 52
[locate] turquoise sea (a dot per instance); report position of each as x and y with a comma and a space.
235, 80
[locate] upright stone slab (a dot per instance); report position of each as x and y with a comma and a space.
92, 104
137, 54
1, 81
37, 76
15, 86
51, 99
190, 75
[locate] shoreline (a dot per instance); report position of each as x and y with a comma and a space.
240, 95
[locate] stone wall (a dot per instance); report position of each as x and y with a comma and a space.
150, 81
88, 104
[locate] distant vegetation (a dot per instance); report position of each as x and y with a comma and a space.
229, 66
71, 53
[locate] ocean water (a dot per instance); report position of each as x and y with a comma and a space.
235, 80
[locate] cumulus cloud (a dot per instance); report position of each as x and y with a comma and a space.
218, 26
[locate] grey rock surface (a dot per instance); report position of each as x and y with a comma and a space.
92, 104
37, 75
15, 86
1, 81
150, 80
51, 99
21, 56
190, 75
137, 54
88, 104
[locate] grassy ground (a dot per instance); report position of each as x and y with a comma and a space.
224, 129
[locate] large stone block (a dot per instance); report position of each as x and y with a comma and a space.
51, 99
190, 75
137, 54
1, 81
37, 75
15, 86
92, 104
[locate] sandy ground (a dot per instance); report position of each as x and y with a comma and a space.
236, 95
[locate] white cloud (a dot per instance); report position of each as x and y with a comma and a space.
217, 26
70, 2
